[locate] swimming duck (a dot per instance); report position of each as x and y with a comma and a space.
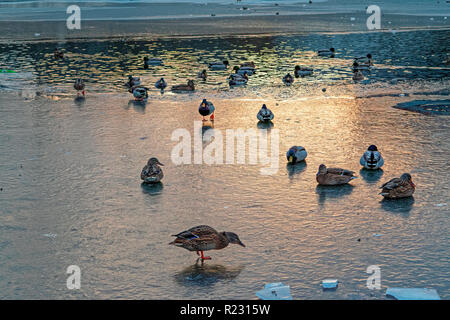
398, 187
326, 52
219, 65
372, 159
161, 84
333, 176
133, 81
202, 75
79, 86
302, 71
296, 154
365, 61
204, 238
265, 114
58, 54
244, 70
237, 79
153, 61
140, 93
288, 79
185, 87
206, 108
358, 75
152, 173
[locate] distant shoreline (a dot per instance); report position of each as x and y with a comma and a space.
210, 26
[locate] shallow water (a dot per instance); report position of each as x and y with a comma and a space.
69, 170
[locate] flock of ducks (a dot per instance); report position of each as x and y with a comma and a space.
203, 238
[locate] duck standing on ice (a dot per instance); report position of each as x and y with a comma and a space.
152, 173
161, 84
288, 79
204, 238
206, 108
265, 114
79, 86
140, 93
372, 159
398, 187
296, 154
333, 176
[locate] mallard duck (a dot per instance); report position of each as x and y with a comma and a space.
302, 71
161, 84
237, 79
372, 159
219, 65
185, 87
202, 75
326, 52
204, 238
358, 75
288, 79
206, 108
365, 61
140, 93
79, 86
244, 70
296, 154
265, 114
152, 173
398, 187
153, 61
133, 81
333, 176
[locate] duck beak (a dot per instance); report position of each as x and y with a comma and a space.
160, 163
241, 244
412, 183
291, 159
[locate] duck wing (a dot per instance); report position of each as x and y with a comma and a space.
341, 172
392, 184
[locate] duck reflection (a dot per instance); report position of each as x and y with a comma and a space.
138, 106
265, 125
79, 100
294, 169
204, 275
402, 206
333, 192
371, 176
152, 189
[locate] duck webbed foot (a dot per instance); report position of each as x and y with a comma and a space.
203, 257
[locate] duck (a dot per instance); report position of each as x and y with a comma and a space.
203, 238
365, 61
79, 86
302, 71
152, 173
132, 82
58, 54
372, 159
153, 61
265, 114
185, 87
396, 188
145, 63
244, 70
333, 176
140, 93
202, 75
358, 75
237, 79
219, 65
288, 79
161, 84
296, 154
326, 52
206, 108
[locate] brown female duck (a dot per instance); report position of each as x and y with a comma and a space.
333, 176
152, 173
185, 87
398, 187
203, 238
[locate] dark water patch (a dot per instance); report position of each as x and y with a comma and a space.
430, 107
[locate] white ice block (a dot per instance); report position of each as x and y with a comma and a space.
329, 283
275, 291
413, 294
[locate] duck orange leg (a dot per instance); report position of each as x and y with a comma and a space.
203, 257
211, 117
